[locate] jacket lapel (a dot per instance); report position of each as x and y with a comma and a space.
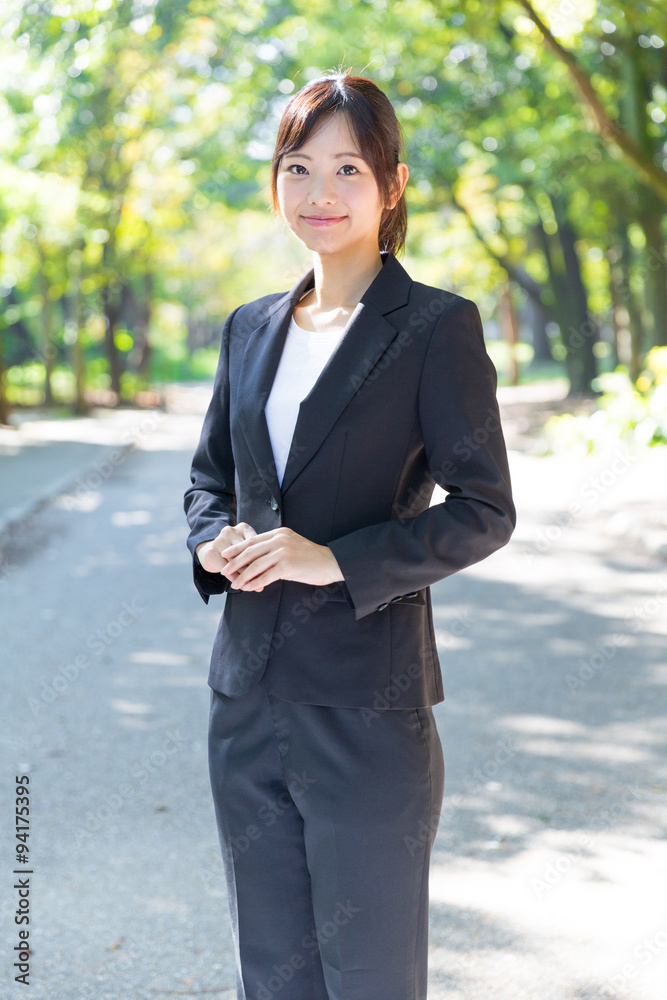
366, 339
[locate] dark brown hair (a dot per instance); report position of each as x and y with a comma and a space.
374, 125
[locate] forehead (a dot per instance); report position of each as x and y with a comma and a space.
333, 130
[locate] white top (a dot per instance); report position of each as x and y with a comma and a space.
304, 356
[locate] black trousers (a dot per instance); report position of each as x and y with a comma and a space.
326, 818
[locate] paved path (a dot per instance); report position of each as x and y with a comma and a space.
45, 456
548, 871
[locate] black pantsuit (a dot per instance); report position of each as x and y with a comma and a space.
326, 818
326, 766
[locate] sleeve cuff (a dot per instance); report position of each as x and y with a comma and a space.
207, 583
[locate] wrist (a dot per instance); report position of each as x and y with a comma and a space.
337, 574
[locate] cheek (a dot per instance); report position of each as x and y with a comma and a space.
285, 196
366, 200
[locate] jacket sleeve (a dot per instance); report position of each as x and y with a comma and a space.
465, 454
210, 502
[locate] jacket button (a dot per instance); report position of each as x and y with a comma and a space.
394, 599
413, 594
273, 502
381, 607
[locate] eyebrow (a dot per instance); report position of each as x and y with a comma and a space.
304, 156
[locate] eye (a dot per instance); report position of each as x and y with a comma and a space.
346, 165
289, 168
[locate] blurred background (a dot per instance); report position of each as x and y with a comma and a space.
135, 143
135, 140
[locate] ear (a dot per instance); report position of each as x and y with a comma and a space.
402, 174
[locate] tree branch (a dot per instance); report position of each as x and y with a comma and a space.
613, 134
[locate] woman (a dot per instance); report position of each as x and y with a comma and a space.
336, 408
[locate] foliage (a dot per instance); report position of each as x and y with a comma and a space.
24, 384
635, 413
135, 141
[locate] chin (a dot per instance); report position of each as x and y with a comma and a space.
319, 246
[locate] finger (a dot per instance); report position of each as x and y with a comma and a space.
247, 555
211, 561
251, 574
252, 587
230, 551
250, 539
258, 583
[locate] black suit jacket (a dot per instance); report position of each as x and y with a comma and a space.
407, 400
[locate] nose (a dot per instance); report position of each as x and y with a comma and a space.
321, 190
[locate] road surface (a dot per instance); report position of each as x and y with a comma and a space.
548, 873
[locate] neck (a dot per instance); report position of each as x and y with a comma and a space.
340, 281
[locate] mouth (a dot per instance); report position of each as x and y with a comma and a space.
323, 220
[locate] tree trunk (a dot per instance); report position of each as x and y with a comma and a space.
582, 329
635, 347
651, 210
578, 329
536, 318
653, 269
111, 313
509, 327
584, 332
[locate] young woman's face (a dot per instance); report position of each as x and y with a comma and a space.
327, 192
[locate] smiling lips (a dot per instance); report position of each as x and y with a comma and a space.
323, 220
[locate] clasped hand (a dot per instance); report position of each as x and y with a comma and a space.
251, 561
